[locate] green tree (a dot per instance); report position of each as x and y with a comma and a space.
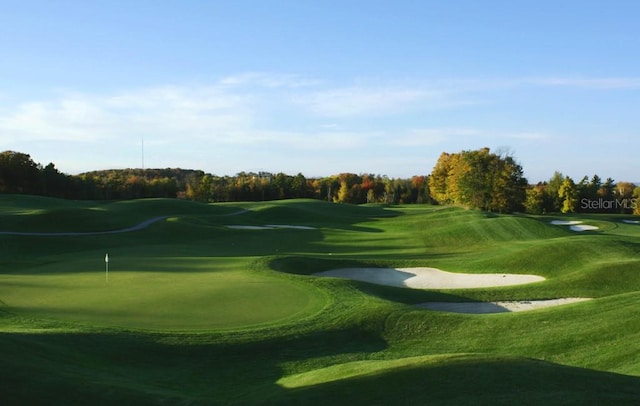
475, 178
299, 186
607, 190
420, 189
507, 185
534, 203
594, 186
193, 187
19, 173
371, 196
350, 190
54, 183
568, 194
553, 203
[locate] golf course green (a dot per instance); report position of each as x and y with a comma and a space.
220, 304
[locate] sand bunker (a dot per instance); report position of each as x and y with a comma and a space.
565, 223
583, 227
498, 307
574, 225
631, 221
430, 278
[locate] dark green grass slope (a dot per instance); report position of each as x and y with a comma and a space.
476, 381
39, 214
360, 343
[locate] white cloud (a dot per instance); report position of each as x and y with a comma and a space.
252, 119
591, 83
527, 136
235, 110
178, 112
268, 80
431, 136
358, 100
222, 114
465, 87
65, 120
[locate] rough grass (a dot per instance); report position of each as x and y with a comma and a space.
197, 313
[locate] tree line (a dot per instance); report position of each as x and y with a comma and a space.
478, 179
590, 195
342, 188
20, 174
495, 182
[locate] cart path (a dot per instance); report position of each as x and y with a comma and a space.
137, 227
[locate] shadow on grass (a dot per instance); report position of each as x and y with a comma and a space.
302, 265
145, 369
191, 230
129, 368
477, 381
307, 265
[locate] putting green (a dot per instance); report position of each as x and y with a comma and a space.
186, 294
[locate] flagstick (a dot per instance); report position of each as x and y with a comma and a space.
106, 263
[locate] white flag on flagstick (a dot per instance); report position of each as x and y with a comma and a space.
106, 258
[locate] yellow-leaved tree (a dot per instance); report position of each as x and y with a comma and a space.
478, 179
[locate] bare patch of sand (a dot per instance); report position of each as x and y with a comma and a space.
631, 221
574, 225
583, 227
430, 278
498, 307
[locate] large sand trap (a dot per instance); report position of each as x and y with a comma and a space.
498, 307
430, 278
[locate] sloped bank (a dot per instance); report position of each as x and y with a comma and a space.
433, 278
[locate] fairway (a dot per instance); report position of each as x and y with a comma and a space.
221, 303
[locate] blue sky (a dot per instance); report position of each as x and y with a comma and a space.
322, 87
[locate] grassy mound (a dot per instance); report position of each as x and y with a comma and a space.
196, 312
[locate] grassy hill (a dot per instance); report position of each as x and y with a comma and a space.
198, 310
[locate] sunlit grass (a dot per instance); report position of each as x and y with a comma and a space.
196, 312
